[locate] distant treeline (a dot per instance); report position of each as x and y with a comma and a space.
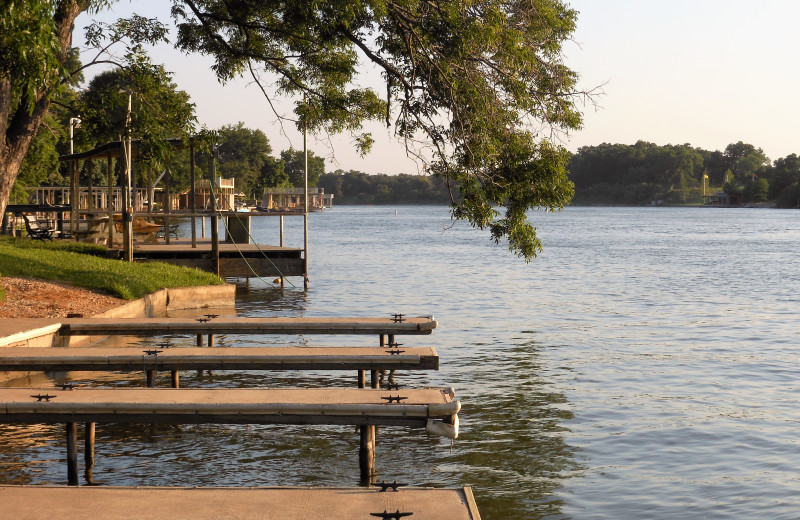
616, 174
645, 172
354, 187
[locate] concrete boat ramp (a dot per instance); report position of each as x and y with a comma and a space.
435, 410
103, 503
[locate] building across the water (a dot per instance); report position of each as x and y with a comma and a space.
288, 199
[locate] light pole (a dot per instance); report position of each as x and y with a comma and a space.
705, 178
127, 209
74, 122
74, 193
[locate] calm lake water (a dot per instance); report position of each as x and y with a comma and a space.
645, 366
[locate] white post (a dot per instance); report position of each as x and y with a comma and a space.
305, 208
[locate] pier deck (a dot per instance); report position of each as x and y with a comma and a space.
353, 406
236, 260
214, 358
225, 325
434, 409
122, 503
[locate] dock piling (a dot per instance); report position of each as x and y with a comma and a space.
72, 453
88, 451
366, 455
175, 379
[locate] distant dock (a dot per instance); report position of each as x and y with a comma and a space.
235, 260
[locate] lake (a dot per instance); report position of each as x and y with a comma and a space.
644, 366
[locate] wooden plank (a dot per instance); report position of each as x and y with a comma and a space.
233, 405
236, 358
162, 326
118, 503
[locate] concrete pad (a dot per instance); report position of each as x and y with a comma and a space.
28, 331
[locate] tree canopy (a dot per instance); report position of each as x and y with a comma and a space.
475, 89
243, 152
470, 86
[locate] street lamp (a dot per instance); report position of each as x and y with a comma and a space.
74, 122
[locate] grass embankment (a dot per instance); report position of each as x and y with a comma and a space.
82, 265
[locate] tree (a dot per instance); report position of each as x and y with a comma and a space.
294, 166
744, 160
783, 173
242, 154
469, 87
159, 111
273, 175
35, 38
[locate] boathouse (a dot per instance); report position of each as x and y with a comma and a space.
288, 199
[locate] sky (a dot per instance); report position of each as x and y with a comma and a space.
703, 72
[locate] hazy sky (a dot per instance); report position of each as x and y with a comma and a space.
703, 72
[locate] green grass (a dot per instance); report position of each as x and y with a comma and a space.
83, 265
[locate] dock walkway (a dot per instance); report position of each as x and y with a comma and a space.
226, 325
156, 503
235, 260
433, 409
216, 358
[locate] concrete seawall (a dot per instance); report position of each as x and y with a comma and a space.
44, 332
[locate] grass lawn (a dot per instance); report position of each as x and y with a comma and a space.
83, 265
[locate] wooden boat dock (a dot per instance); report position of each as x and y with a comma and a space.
433, 409
37, 359
209, 324
123, 503
241, 260
356, 406
359, 359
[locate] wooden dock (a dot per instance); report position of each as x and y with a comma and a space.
155, 503
226, 325
350, 406
214, 358
235, 260
433, 409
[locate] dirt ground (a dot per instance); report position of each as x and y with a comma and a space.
30, 298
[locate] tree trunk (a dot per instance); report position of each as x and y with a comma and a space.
18, 125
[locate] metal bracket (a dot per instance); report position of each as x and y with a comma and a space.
45, 397
394, 344
385, 485
153, 352
393, 399
398, 318
397, 515
67, 386
211, 316
203, 320
394, 352
391, 386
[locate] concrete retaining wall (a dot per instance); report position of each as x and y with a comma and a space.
46, 335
